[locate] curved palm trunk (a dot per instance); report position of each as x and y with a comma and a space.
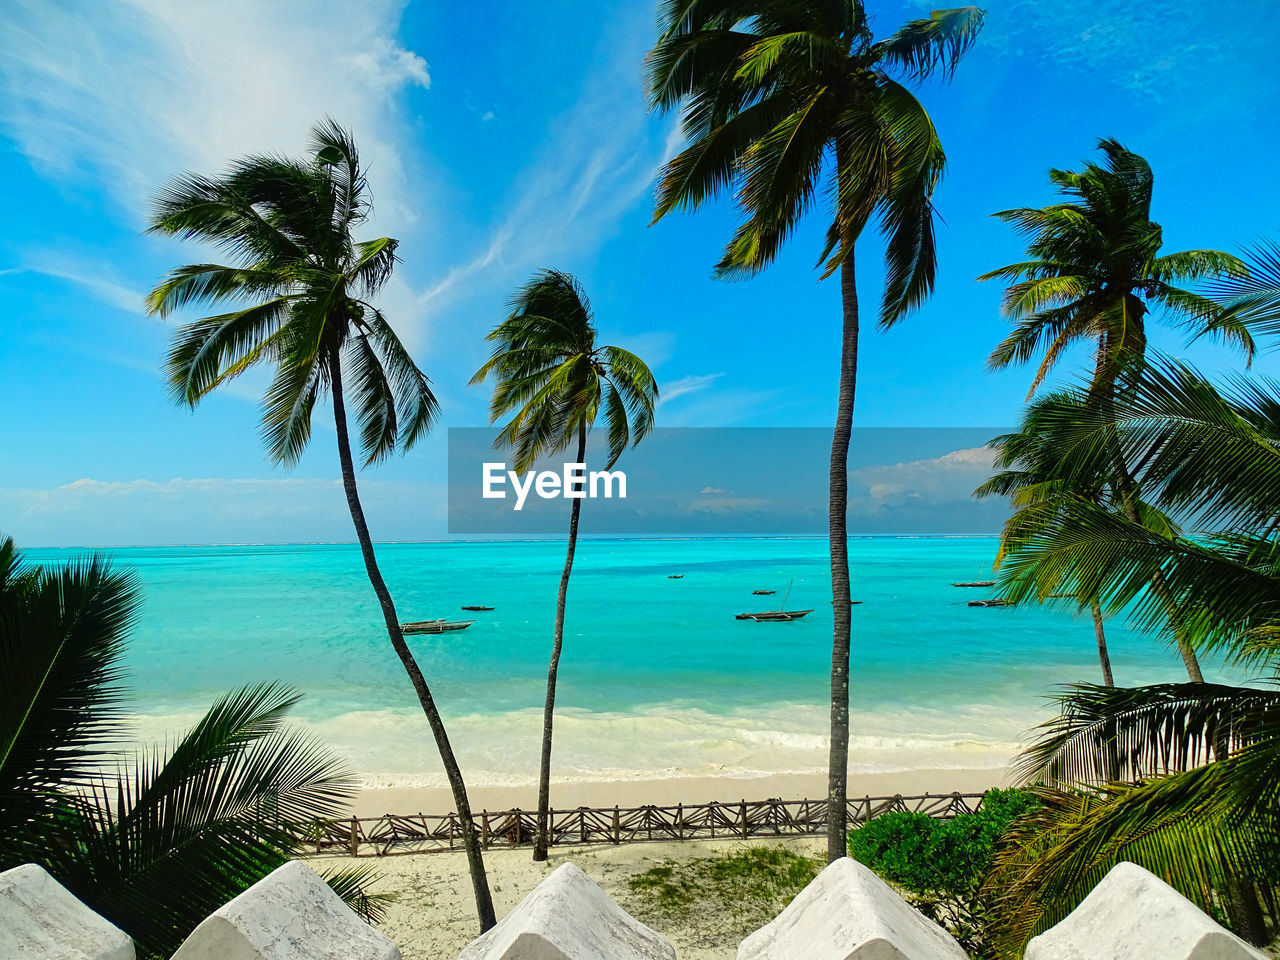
837, 511
470, 839
543, 838
1104, 659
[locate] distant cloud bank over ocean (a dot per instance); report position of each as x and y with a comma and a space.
731, 481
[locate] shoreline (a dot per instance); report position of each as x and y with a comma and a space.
568, 795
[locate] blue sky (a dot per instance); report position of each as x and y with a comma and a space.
501, 138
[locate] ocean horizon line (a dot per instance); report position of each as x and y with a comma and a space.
602, 538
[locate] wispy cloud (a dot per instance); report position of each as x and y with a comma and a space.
125, 94
1155, 49
214, 510
687, 385
100, 280
598, 160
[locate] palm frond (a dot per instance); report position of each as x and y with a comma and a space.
62, 633
222, 809
935, 45
1252, 300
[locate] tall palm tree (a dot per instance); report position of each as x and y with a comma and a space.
158, 843
1181, 778
1096, 273
287, 225
789, 102
553, 379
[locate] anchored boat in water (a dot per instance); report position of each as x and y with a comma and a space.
767, 615
433, 626
781, 614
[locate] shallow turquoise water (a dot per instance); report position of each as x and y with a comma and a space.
658, 678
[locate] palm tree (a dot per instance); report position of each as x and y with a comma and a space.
287, 224
789, 101
1096, 271
1180, 778
157, 843
1033, 480
554, 379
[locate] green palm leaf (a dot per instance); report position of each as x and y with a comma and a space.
62, 636
226, 806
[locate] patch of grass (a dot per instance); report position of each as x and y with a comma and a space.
751, 886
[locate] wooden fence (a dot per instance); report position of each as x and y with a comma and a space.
427, 833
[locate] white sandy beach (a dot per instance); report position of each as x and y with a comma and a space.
433, 916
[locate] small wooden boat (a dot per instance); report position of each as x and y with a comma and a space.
675, 576
433, 626
781, 615
990, 603
769, 616
476, 608
975, 583
762, 593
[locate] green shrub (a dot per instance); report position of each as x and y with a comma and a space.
941, 864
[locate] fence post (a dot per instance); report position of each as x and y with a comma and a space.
742, 817
353, 842
484, 829
617, 826
680, 820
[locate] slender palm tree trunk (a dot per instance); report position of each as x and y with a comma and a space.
470, 839
837, 511
1103, 657
1106, 370
543, 839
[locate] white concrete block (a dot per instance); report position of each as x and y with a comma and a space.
849, 913
568, 917
291, 914
1133, 913
41, 920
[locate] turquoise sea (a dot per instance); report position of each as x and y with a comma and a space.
658, 678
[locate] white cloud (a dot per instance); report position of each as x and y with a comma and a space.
125, 94
113, 98
949, 477
100, 280
686, 385
709, 490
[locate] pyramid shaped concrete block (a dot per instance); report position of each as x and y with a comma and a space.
568, 917
849, 913
1133, 913
41, 920
291, 914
